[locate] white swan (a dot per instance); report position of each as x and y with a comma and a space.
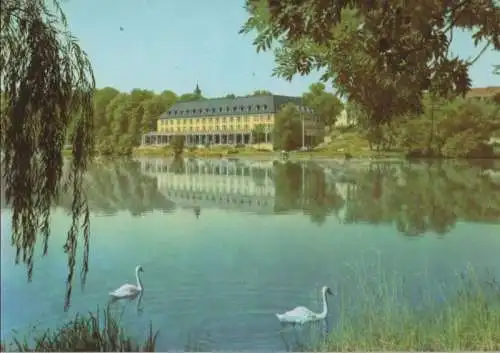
301, 314
129, 290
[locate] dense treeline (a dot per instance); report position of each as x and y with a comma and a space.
446, 128
122, 118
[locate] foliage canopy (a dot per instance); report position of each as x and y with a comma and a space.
382, 54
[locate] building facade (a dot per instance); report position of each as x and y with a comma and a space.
227, 121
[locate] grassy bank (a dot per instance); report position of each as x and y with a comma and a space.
220, 152
382, 320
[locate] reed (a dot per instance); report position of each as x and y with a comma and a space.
90, 333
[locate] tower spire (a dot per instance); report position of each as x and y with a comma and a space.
197, 90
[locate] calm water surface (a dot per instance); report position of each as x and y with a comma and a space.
226, 244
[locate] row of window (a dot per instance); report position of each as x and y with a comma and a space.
205, 128
227, 109
228, 199
216, 120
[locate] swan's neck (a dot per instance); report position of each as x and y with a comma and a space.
325, 306
139, 283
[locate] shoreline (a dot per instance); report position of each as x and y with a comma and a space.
323, 155
249, 153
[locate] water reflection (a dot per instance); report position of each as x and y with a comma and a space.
416, 198
121, 186
129, 299
301, 338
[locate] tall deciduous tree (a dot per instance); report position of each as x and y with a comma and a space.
326, 106
382, 54
287, 133
154, 107
178, 145
102, 98
259, 133
48, 85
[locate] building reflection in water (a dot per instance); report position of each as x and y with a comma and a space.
245, 186
250, 186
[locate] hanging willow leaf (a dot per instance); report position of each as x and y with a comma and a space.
47, 86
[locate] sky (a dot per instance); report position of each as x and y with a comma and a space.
169, 44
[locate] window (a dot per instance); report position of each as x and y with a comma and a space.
234, 109
264, 106
200, 110
220, 109
175, 112
249, 108
213, 110
194, 111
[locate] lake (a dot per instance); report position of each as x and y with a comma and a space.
226, 244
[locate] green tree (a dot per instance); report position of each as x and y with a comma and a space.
326, 105
259, 133
496, 98
48, 83
457, 128
102, 98
122, 118
195, 96
178, 144
379, 54
189, 97
115, 115
134, 113
287, 133
259, 92
230, 95
154, 107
